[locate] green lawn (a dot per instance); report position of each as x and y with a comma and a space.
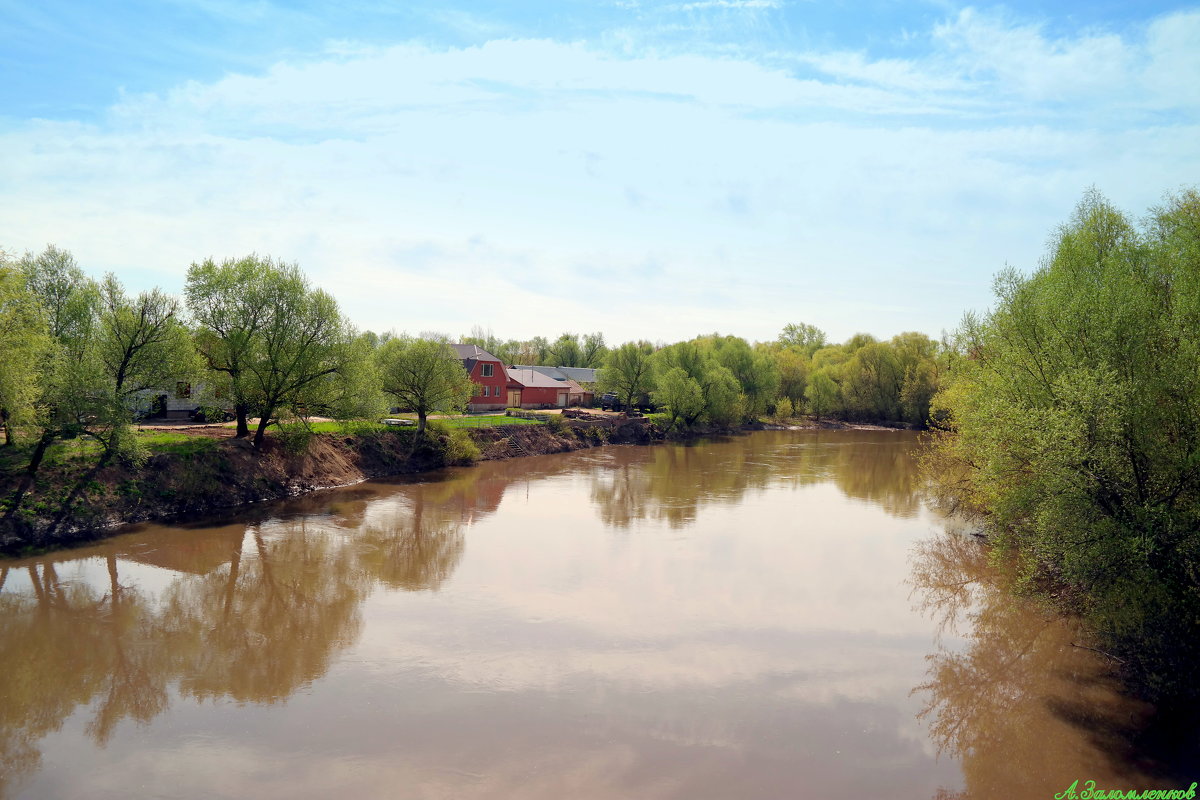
474, 421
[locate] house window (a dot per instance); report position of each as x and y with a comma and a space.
485, 391
487, 370
183, 390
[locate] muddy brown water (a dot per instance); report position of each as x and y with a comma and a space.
770, 616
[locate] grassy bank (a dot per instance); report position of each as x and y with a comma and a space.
76, 498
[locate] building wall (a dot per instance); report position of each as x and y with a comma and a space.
538, 396
490, 390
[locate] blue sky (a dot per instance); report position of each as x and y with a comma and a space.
647, 169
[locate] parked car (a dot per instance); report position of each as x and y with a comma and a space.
608, 400
212, 414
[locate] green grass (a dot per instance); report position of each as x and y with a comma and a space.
180, 444
486, 421
475, 421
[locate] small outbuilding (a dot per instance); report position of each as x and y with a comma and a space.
529, 388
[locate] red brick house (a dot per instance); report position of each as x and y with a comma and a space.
528, 388
487, 372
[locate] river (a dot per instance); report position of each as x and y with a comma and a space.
776, 615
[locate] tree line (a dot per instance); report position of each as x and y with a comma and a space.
84, 357
724, 380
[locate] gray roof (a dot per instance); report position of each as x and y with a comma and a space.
578, 374
474, 352
532, 378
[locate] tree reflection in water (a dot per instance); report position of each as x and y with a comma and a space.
252, 613
672, 483
1025, 709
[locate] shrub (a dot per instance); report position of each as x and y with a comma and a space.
460, 447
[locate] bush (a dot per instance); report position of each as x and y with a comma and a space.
294, 436
461, 448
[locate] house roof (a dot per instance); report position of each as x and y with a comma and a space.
574, 387
532, 379
579, 374
473, 352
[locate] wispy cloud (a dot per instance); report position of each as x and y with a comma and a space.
527, 182
751, 5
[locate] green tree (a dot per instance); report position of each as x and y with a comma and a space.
70, 385
756, 373
723, 399
424, 375
565, 352
793, 370
628, 372
302, 350
871, 383
25, 342
141, 345
1076, 424
821, 393
227, 301
681, 395
802, 337
721, 391
593, 351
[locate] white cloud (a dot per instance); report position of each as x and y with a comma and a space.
526, 184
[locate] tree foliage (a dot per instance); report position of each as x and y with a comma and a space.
1076, 423
302, 351
424, 375
140, 345
227, 303
628, 372
278, 345
25, 343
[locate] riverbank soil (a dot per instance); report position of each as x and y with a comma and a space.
73, 499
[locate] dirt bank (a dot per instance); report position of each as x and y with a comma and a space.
75, 501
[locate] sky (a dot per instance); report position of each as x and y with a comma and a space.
650, 170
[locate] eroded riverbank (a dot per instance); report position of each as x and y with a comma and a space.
76, 501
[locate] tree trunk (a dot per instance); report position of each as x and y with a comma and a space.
420, 422
35, 461
235, 564
261, 432
243, 426
8, 431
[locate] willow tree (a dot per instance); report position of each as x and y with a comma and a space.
140, 345
627, 372
300, 352
1076, 418
25, 342
227, 301
69, 382
424, 375
276, 344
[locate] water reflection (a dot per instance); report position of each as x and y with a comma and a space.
1023, 705
463, 634
249, 612
672, 484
